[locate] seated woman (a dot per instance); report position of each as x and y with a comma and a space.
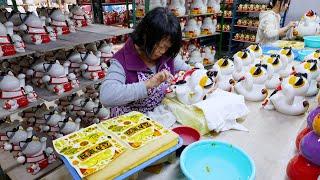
139, 73
269, 22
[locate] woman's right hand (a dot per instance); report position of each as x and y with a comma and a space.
158, 78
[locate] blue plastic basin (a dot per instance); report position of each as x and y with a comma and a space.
312, 41
215, 160
304, 53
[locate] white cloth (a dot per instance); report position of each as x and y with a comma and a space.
163, 116
221, 110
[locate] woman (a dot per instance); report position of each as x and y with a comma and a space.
269, 28
140, 72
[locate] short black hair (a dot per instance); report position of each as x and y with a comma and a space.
159, 23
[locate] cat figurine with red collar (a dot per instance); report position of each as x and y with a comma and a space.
79, 17
106, 51
35, 30
68, 126
36, 152
10, 43
15, 136
91, 67
60, 23
58, 79
15, 92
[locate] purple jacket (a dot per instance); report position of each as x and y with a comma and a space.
131, 62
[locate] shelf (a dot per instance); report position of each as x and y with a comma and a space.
251, 27
243, 41
201, 36
81, 37
224, 31
18, 55
196, 15
115, 3
21, 171
105, 30
5, 113
248, 11
51, 46
49, 96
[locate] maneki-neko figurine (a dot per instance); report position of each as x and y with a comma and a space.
225, 68
14, 91
35, 152
252, 84
10, 43
58, 79
289, 97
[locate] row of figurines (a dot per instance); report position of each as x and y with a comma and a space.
57, 77
178, 7
272, 79
308, 150
26, 147
193, 53
195, 27
37, 29
69, 116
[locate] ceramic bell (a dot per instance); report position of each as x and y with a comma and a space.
289, 98
308, 25
273, 60
225, 68
79, 17
209, 26
15, 136
194, 85
15, 92
9, 43
58, 79
157, 3
199, 7
60, 23
310, 67
91, 67
192, 29
213, 6
252, 84
178, 7
34, 29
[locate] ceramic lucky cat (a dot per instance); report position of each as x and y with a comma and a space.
178, 7
79, 17
289, 98
68, 126
308, 25
213, 6
10, 43
52, 119
192, 29
91, 67
225, 68
14, 91
60, 23
199, 7
157, 3
58, 79
15, 136
209, 26
242, 61
252, 85
274, 60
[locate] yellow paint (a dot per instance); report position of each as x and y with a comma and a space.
316, 124
270, 60
307, 66
203, 81
293, 80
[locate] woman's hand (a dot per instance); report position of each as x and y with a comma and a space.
158, 78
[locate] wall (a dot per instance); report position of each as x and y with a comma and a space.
299, 7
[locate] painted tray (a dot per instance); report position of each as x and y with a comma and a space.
76, 176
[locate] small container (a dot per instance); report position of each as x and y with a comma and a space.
312, 41
188, 134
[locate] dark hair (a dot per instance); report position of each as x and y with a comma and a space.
272, 3
159, 23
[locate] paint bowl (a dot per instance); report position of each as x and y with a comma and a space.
188, 134
208, 159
